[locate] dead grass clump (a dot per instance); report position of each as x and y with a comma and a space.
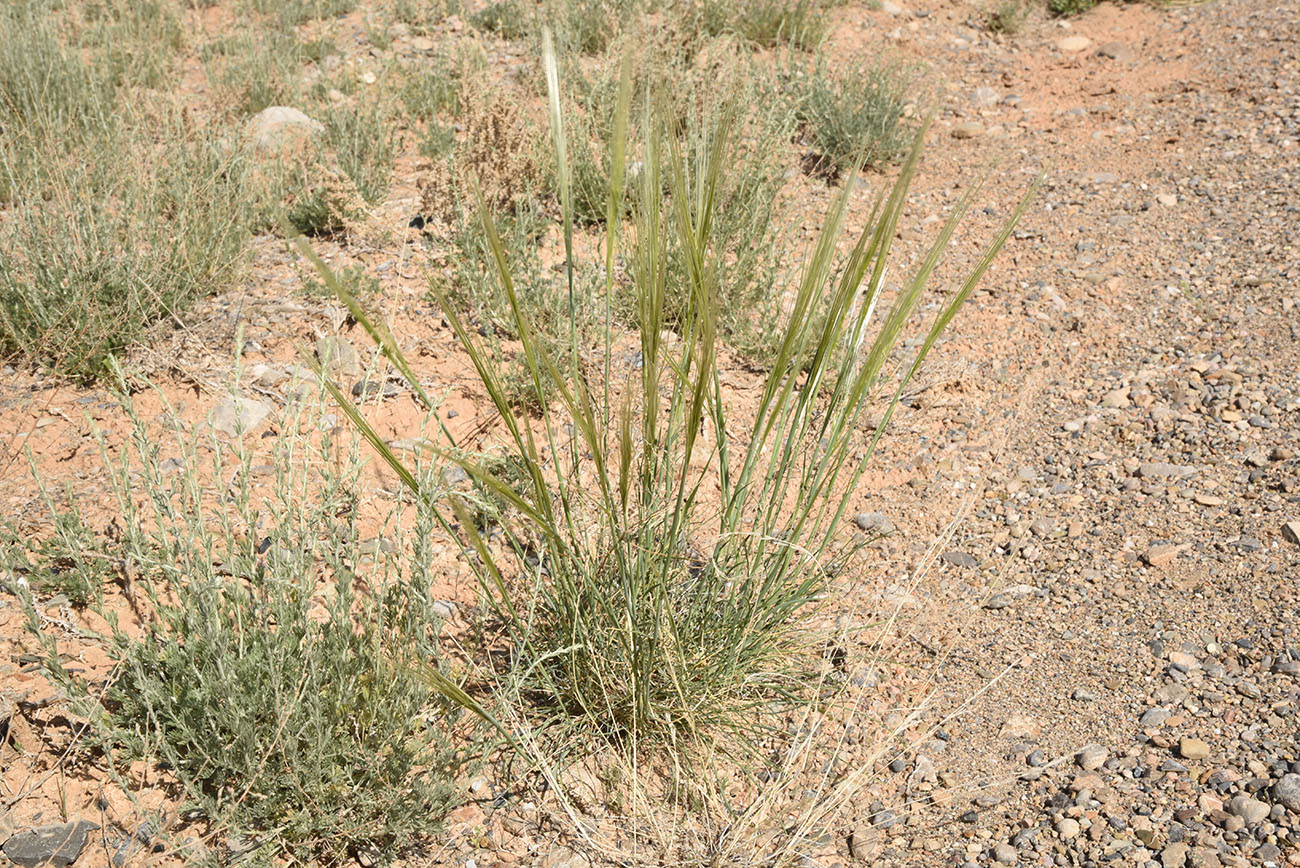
497, 150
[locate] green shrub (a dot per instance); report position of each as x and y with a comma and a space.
767, 23
1007, 16
254, 69
421, 16
294, 709
1069, 8
362, 137
294, 13
137, 41
69, 561
505, 18
853, 120
96, 254
46, 91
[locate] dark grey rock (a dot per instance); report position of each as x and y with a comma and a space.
1286, 792
58, 845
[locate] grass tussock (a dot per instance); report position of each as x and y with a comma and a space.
636, 606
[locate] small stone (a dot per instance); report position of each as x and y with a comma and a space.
1009, 595
985, 96
958, 559
1169, 200
1160, 555
1067, 828
1005, 854
1019, 726
1116, 51
1286, 792
337, 356
422, 43
236, 415
276, 127
1117, 399
1291, 532
59, 844
1091, 757
874, 522
862, 844
1253, 811
1164, 470
967, 130
1073, 44
1170, 694
1193, 748
1153, 717
1174, 855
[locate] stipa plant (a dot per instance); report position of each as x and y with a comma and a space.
657, 582
287, 685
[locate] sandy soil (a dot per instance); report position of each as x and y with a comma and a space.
1089, 482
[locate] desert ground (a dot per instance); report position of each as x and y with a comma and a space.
1071, 635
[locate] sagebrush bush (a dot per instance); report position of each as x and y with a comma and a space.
1007, 16
767, 23
1069, 8
94, 255
853, 119
281, 680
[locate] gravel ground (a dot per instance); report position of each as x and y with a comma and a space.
1107, 642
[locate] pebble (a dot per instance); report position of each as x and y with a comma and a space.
236, 415
337, 356
1091, 757
1286, 792
1291, 532
1067, 828
1164, 470
1010, 595
59, 844
1116, 51
1005, 854
959, 559
1072, 44
967, 130
277, 127
1154, 717
874, 522
1193, 748
1253, 811
1160, 555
